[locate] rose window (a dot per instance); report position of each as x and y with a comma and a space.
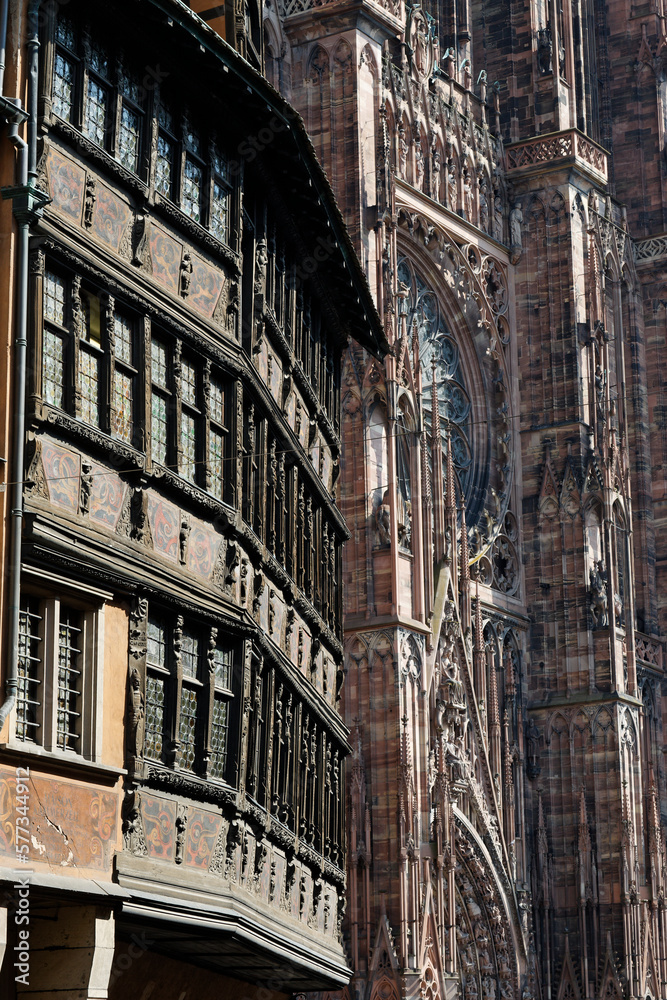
439, 351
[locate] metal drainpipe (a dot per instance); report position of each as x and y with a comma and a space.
16, 474
4, 16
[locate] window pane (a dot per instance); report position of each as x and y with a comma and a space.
65, 32
89, 378
165, 119
123, 338
158, 428
122, 401
128, 84
189, 446
164, 166
99, 61
27, 696
96, 112
191, 198
63, 87
156, 647
216, 458
192, 139
92, 321
128, 139
190, 655
69, 681
189, 383
220, 165
187, 728
222, 660
54, 298
154, 716
53, 383
219, 733
159, 363
217, 402
219, 213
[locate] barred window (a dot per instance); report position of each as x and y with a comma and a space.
58, 646
29, 662
69, 681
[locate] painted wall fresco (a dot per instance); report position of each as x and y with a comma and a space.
159, 817
62, 470
203, 547
165, 258
165, 526
110, 217
71, 826
202, 833
107, 495
205, 287
66, 185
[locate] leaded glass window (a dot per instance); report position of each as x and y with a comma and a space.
89, 376
95, 112
123, 338
54, 298
190, 655
189, 446
159, 429
154, 717
53, 370
63, 87
159, 355
164, 166
217, 438
68, 728
192, 189
29, 669
217, 767
122, 404
128, 139
156, 662
187, 728
189, 383
220, 212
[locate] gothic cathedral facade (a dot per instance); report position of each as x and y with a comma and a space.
501, 168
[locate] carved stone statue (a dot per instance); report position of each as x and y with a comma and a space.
186, 274
136, 712
598, 596
516, 242
544, 50
483, 202
435, 173
383, 520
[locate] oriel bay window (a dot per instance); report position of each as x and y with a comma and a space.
95, 353
293, 764
191, 722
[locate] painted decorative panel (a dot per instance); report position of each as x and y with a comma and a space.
110, 218
165, 257
159, 816
205, 287
62, 470
107, 495
71, 826
203, 546
165, 526
66, 185
202, 834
